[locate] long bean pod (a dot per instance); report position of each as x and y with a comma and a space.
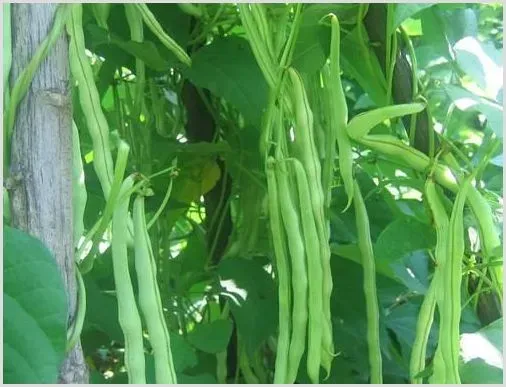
149, 297
305, 150
443, 175
449, 331
128, 314
435, 292
362, 123
283, 276
299, 274
157, 29
314, 269
90, 100
371, 298
339, 114
135, 24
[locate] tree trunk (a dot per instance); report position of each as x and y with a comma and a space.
41, 157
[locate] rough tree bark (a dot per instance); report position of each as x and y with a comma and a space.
41, 158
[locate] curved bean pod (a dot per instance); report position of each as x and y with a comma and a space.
90, 100
299, 274
314, 269
396, 149
283, 274
371, 298
101, 13
339, 113
128, 314
149, 297
362, 123
157, 29
435, 292
305, 150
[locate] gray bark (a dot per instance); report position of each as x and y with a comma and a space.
41, 156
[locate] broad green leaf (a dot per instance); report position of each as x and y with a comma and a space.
147, 51
434, 34
229, 70
174, 21
35, 311
482, 62
183, 354
252, 298
360, 62
413, 27
211, 337
400, 239
102, 309
404, 11
460, 23
482, 354
352, 252
312, 46
465, 100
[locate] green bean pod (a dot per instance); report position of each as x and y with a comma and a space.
451, 287
128, 314
190, 9
149, 297
74, 332
362, 123
79, 195
305, 150
283, 276
434, 293
299, 274
157, 29
371, 298
101, 12
314, 269
260, 18
257, 45
90, 100
135, 24
398, 150
339, 113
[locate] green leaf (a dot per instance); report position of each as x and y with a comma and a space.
398, 241
101, 310
183, 354
211, 337
229, 70
434, 34
352, 252
482, 62
361, 63
253, 299
465, 100
482, 354
173, 20
405, 11
147, 51
35, 311
478, 371
312, 45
